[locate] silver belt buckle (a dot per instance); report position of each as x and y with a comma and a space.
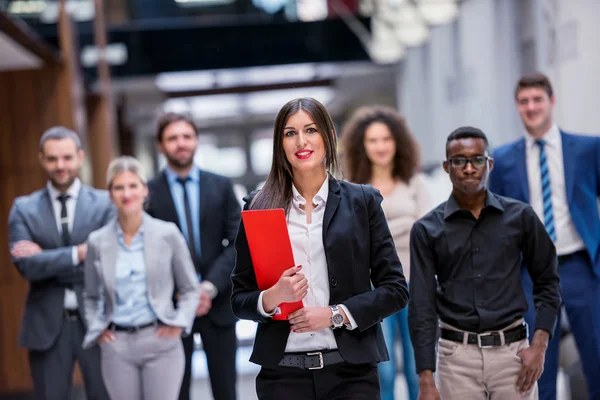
479, 336
317, 353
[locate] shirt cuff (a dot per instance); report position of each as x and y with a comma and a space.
351, 325
260, 308
209, 288
425, 358
546, 321
75, 256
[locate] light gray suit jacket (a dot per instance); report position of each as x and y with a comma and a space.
50, 272
168, 265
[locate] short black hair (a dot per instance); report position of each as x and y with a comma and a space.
466, 132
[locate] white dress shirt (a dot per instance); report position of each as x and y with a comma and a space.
73, 192
567, 239
308, 250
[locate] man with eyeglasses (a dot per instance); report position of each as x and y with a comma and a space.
558, 173
465, 277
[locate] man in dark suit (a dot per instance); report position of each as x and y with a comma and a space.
204, 207
559, 175
47, 234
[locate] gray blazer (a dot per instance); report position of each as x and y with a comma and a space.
50, 272
168, 265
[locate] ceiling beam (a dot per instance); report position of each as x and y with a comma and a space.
248, 88
25, 37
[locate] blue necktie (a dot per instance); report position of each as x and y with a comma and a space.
546, 191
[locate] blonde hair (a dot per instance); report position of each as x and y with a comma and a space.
124, 164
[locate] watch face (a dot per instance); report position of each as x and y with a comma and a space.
338, 319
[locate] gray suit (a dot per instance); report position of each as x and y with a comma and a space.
157, 363
52, 342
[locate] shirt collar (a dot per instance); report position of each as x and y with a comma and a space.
120, 233
194, 174
320, 197
551, 137
452, 206
72, 191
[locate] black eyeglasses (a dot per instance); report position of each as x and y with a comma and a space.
461, 162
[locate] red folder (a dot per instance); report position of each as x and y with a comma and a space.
271, 251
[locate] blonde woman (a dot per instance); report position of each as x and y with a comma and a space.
133, 267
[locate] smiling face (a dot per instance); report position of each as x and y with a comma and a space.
178, 144
535, 108
303, 144
380, 145
62, 161
128, 192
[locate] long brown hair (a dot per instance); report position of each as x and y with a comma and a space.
357, 166
277, 190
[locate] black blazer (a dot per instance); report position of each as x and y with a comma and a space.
359, 250
219, 220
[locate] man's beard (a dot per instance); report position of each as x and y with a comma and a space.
180, 164
62, 186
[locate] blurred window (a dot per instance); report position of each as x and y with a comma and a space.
261, 153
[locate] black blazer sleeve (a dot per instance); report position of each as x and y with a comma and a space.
391, 291
219, 271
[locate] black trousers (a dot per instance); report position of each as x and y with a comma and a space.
339, 381
52, 369
220, 345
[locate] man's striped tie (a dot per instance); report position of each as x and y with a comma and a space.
546, 191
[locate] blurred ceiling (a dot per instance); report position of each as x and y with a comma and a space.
20, 47
251, 96
15, 56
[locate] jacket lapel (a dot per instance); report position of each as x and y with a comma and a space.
83, 204
49, 219
204, 190
521, 163
150, 248
108, 258
333, 200
169, 203
569, 162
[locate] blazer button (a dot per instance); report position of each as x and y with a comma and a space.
333, 282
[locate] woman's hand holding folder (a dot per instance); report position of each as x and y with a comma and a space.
291, 287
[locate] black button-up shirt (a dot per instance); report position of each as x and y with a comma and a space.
467, 271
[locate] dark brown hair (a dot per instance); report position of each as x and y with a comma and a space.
357, 166
170, 117
277, 190
535, 79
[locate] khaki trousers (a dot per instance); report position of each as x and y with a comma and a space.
468, 372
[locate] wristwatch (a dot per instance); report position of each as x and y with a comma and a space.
337, 319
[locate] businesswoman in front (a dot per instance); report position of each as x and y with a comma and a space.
341, 243
133, 267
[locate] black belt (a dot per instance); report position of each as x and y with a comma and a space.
129, 329
567, 257
491, 339
71, 314
312, 360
